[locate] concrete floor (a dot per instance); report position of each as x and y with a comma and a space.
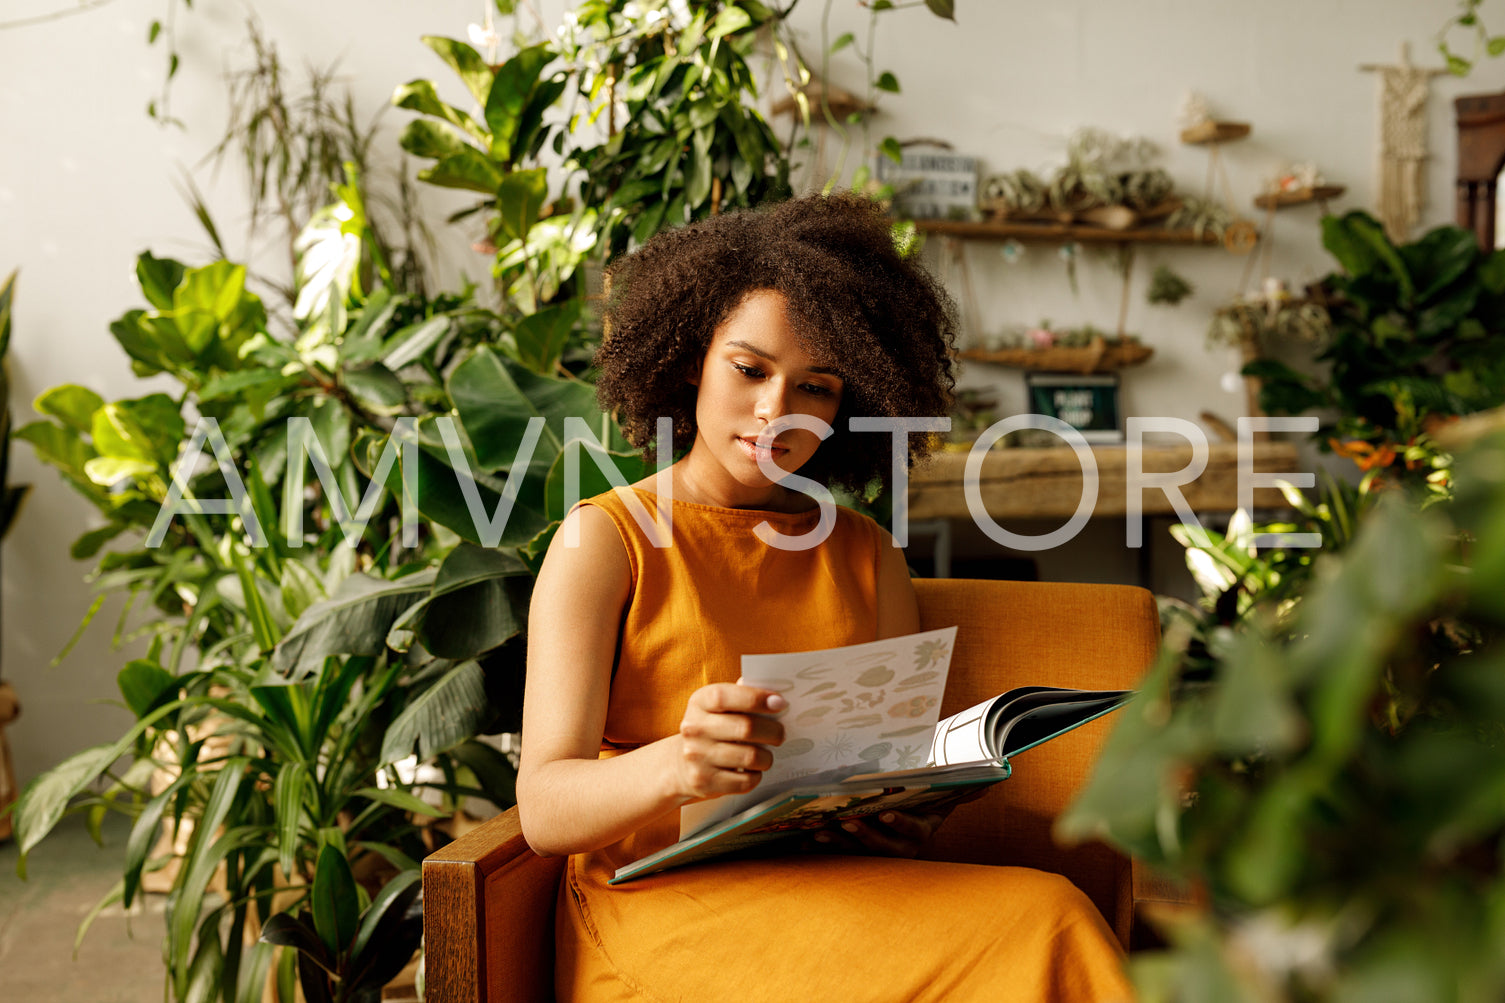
120, 959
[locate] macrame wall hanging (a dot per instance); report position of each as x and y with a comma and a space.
1404, 90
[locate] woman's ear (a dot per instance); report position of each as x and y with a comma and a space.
693, 377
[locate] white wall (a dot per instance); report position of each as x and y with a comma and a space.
87, 182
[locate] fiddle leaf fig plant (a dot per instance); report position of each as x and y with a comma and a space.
322, 653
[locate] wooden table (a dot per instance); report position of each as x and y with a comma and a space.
1020, 483
1047, 484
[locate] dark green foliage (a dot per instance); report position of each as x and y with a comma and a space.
1328, 766
1418, 335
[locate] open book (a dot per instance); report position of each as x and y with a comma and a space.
876, 746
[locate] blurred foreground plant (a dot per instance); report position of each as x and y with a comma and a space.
1334, 782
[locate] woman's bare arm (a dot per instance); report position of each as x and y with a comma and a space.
570, 801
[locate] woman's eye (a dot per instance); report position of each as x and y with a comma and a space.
818, 390
751, 372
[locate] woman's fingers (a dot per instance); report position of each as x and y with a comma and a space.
735, 698
891, 834
726, 712
725, 736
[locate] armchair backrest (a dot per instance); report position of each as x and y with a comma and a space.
1041, 633
488, 900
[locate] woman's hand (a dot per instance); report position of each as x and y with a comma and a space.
888, 834
724, 739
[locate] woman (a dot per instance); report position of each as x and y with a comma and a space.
734, 328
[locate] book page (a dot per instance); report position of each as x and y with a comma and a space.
864, 708
962, 737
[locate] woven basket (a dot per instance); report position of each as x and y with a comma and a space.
1098, 357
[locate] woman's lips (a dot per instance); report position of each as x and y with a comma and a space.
753, 450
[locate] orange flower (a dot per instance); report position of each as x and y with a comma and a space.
1365, 454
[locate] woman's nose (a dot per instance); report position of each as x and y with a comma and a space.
770, 404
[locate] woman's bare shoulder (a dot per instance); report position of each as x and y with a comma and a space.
587, 548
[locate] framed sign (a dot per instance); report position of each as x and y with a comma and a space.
932, 185
1087, 402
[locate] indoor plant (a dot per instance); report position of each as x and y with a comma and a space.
1417, 338
345, 646
1330, 778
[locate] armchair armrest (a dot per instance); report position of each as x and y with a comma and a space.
488, 917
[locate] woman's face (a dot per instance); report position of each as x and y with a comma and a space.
754, 372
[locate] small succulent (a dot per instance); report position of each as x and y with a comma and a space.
1166, 287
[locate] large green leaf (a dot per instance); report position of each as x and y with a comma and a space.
421, 96
146, 685
520, 199
71, 404
505, 104
42, 802
354, 621
587, 457
159, 278
435, 140
387, 936
148, 428
1359, 243
66, 450
287, 795
495, 412
1439, 258
467, 501
466, 62
477, 604
335, 905
540, 337
468, 169
449, 712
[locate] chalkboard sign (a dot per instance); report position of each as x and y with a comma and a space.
1088, 403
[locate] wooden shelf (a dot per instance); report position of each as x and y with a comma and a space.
1100, 357
1301, 196
1214, 132
1062, 233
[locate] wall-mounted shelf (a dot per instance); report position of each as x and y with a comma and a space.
1214, 132
1062, 233
1099, 357
1299, 196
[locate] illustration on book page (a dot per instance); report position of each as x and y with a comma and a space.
864, 708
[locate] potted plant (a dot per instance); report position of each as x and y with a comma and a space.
1417, 339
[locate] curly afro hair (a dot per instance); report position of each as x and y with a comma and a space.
881, 321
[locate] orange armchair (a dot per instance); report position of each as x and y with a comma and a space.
488, 900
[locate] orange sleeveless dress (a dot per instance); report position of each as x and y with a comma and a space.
804, 926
